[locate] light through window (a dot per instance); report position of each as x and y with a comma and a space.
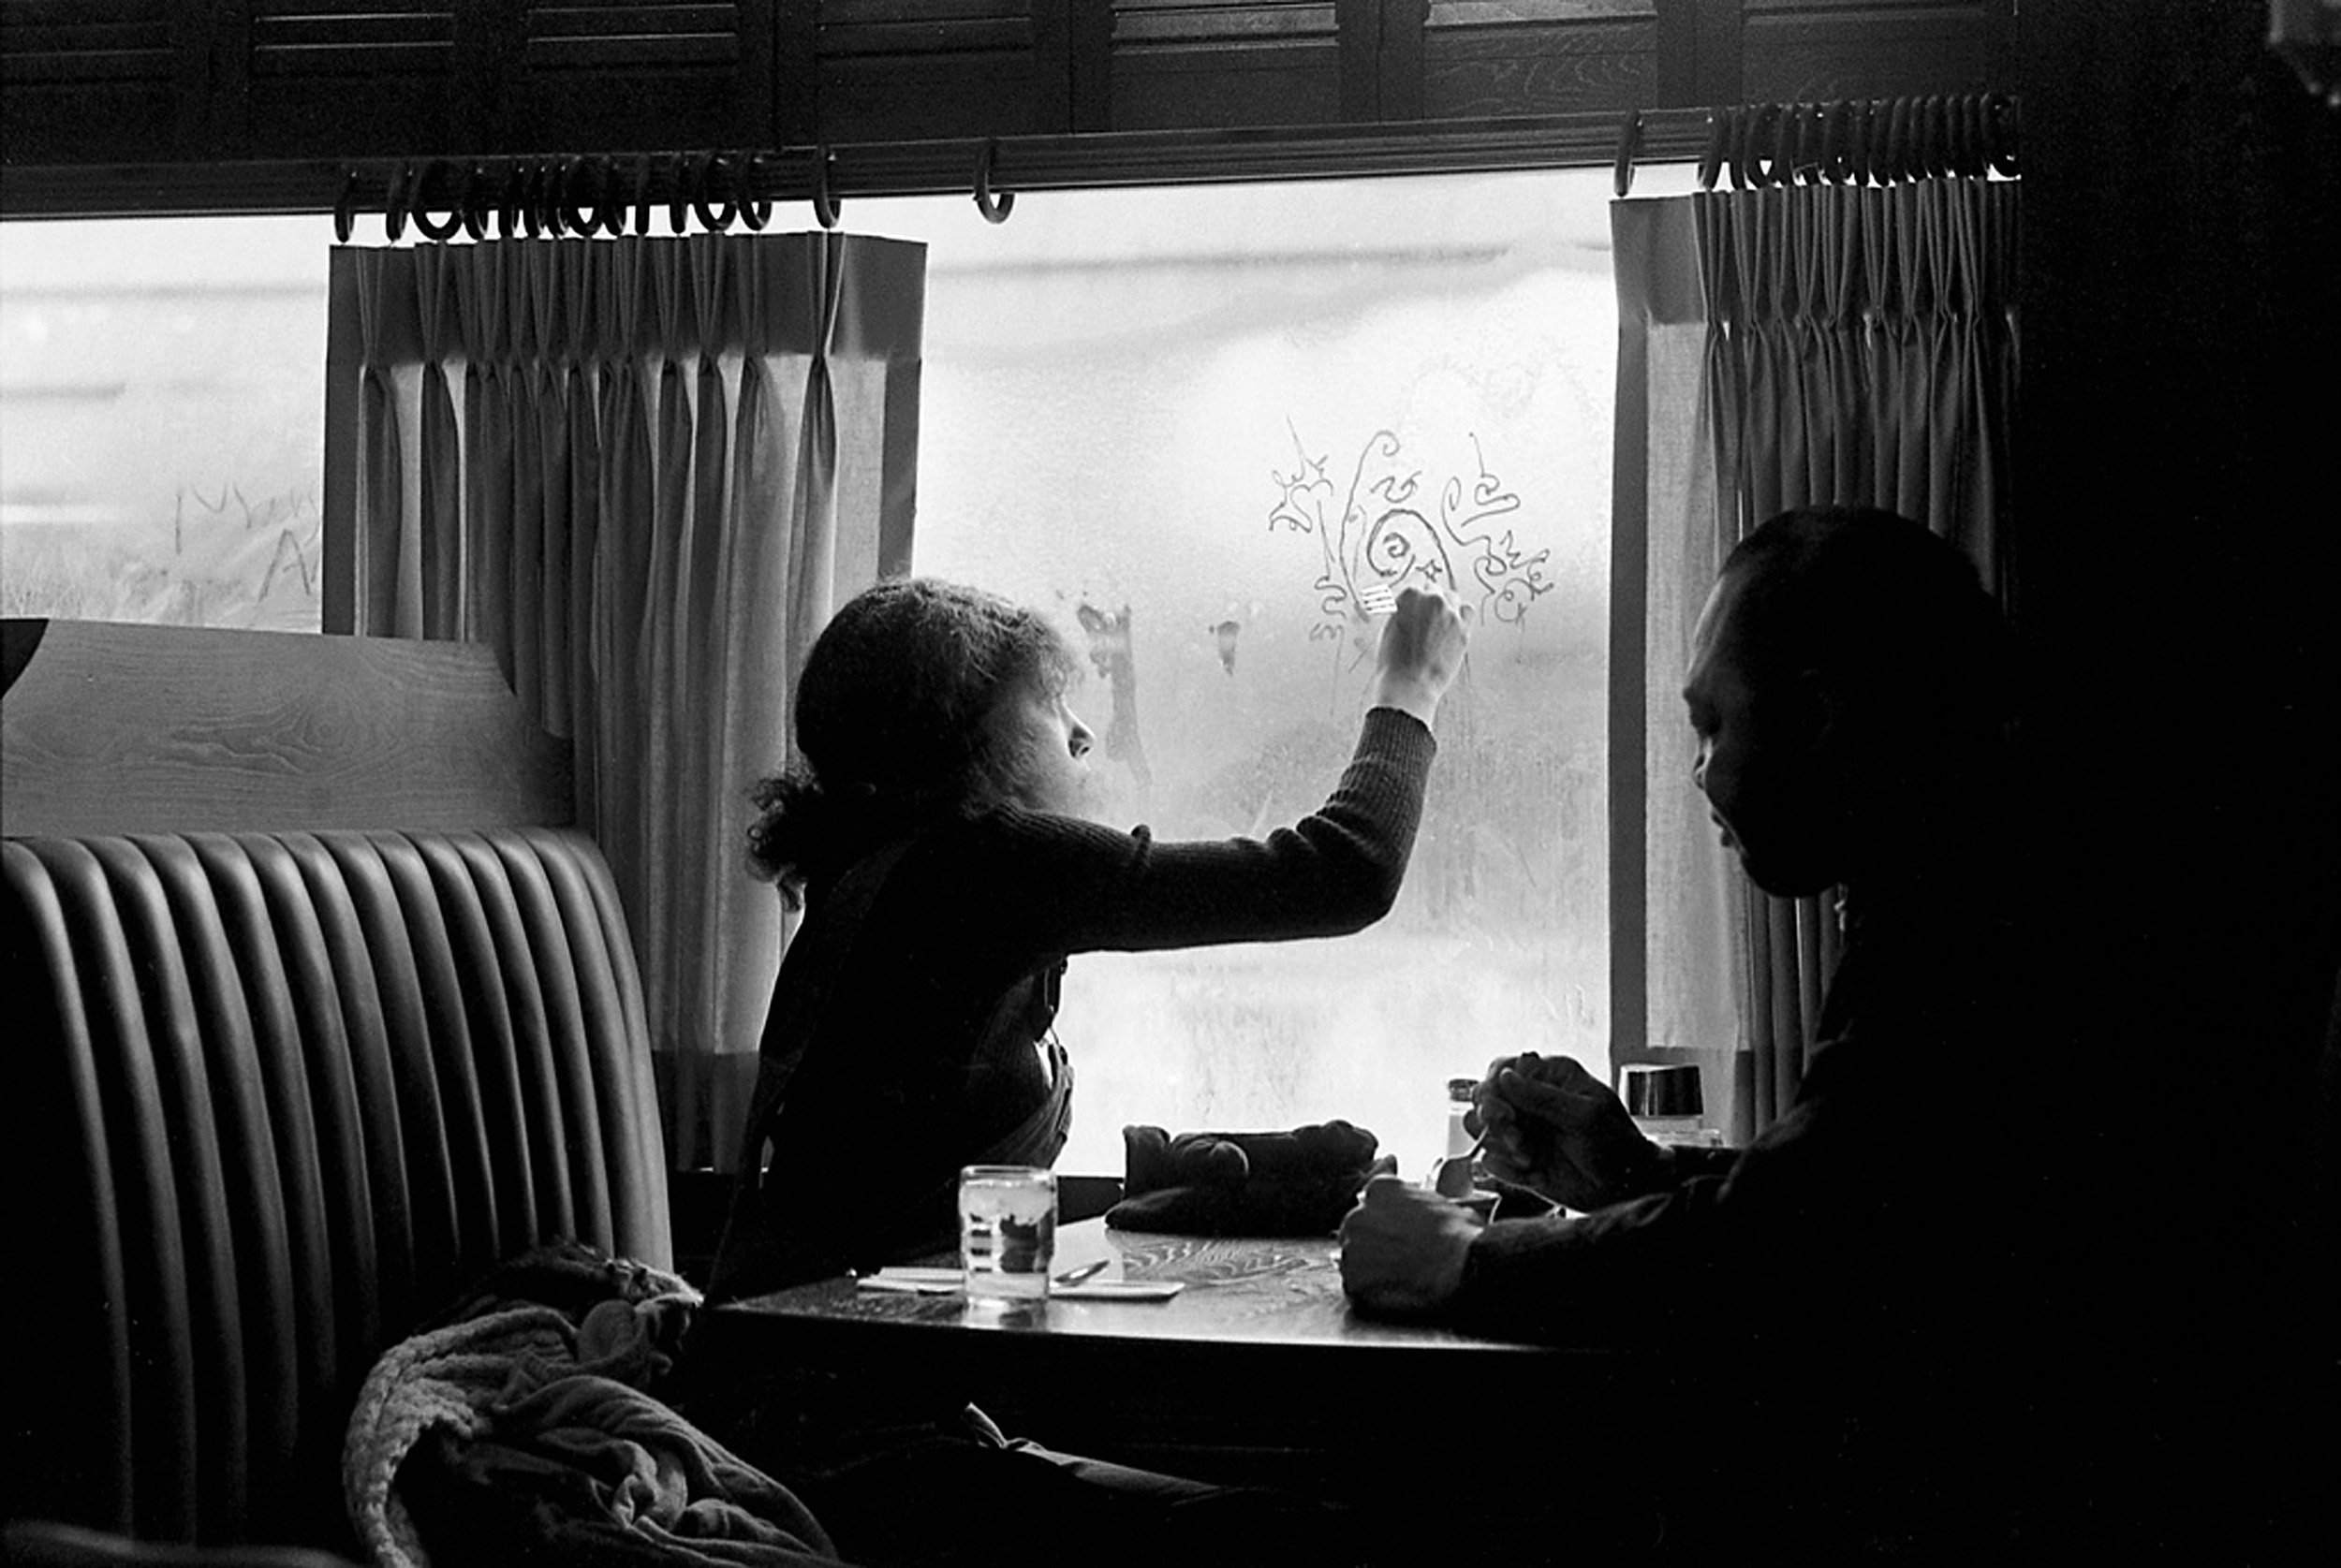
162, 424
1202, 428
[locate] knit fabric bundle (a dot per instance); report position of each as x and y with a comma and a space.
1292, 1183
530, 1428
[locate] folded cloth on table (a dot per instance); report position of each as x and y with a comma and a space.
522, 1427
1294, 1183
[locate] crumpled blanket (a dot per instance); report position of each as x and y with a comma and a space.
524, 1430
1293, 1183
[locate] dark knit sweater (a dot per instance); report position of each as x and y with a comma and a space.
1856, 1296
910, 1078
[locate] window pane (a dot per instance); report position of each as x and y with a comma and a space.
162, 424
1196, 425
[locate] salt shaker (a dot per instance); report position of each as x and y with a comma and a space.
1460, 1095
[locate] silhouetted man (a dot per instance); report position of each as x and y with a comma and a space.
1852, 1285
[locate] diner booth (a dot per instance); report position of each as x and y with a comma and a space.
376, 917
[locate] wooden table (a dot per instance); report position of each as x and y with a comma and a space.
1259, 1369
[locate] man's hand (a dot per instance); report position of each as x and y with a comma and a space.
1402, 1248
1553, 1126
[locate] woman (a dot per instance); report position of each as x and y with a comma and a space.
934, 832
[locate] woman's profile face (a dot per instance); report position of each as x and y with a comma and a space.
1047, 748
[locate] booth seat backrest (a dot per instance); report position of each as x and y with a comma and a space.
272, 1100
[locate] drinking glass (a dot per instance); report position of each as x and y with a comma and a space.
1007, 1230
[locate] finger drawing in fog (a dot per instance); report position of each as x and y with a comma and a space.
1111, 655
1223, 636
1389, 531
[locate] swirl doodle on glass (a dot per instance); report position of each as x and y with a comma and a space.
1388, 530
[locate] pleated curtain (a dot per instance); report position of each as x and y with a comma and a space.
644, 471
1778, 347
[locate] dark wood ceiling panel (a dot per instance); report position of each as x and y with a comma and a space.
1498, 57
1794, 51
1225, 62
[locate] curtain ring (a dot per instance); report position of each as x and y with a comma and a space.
531, 175
1882, 123
584, 217
475, 203
1710, 160
1800, 134
509, 202
609, 197
642, 193
1895, 164
436, 173
548, 197
994, 210
394, 204
1999, 133
1837, 141
1754, 174
754, 213
344, 208
702, 182
679, 199
1961, 141
1735, 153
824, 205
1629, 149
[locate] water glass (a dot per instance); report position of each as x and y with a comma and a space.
1007, 1230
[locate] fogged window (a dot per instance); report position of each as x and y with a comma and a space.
162, 395
1199, 426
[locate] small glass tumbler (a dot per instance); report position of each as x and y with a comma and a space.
1007, 1231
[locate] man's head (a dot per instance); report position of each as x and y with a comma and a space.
1848, 678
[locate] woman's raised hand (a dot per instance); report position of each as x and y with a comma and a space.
1422, 648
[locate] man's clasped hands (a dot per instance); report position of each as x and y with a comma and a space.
1549, 1125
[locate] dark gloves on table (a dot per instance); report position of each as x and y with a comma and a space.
1295, 1184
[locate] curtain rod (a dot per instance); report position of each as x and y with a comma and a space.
942, 166
1755, 145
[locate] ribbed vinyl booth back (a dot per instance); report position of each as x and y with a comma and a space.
272, 1099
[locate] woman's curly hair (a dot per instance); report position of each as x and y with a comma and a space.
892, 722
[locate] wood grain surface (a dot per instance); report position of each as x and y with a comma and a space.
1259, 1367
120, 729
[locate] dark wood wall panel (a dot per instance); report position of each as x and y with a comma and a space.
1792, 52
916, 99
677, 73
83, 80
1494, 57
342, 78
1179, 64
178, 107
1205, 88
914, 69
